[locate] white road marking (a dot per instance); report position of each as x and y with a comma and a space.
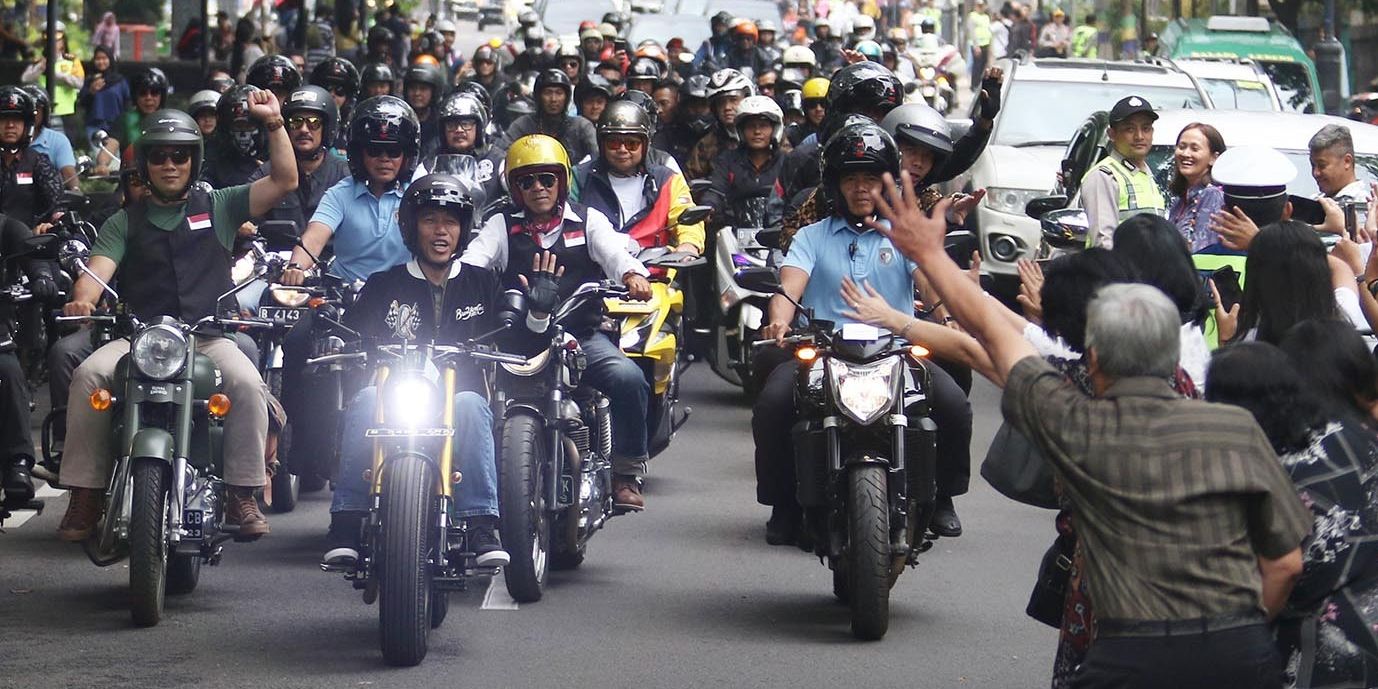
47, 491
496, 598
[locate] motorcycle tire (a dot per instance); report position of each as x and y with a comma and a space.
521, 499
148, 556
868, 551
183, 574
286, 485
404, 548
840, 590
440, 607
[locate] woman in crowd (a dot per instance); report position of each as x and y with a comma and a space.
1150, 245
1194, 195
107, 35
105, 96
70, 75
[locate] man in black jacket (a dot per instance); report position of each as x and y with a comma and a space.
432, 298
16, 442
30, 188
553, 93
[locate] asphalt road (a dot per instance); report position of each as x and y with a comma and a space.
687, 594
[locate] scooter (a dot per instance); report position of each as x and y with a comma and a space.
742, 311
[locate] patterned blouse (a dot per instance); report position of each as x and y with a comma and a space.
1192, 214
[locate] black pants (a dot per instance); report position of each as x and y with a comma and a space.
15, 437
1241, 658
774, 415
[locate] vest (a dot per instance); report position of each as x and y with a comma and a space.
1139, 193
19, 197
980, 29
1085, 40
179, 273
1209, 263
571, 251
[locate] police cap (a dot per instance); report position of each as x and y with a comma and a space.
1253, 172
1130, 106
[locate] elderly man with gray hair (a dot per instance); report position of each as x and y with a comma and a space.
1190, 528
1332, 164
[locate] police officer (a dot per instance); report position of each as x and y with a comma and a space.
1121, 185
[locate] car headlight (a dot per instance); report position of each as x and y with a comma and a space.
863, 391
159, 352
411, 401
290, 297
1013, 201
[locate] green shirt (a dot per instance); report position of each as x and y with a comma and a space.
229, 210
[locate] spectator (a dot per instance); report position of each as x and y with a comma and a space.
1021, 31
1000, 24
1056, 36
107, 35
1332, 164
105, 96
70, 75
222, 41
246, 48
1195, 195
192, 42
979, 38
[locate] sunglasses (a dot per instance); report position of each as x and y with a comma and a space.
178, 156
313, 122
461, 126
149, 92
340, 91
629, 144
383, 151
545, 179
569, 63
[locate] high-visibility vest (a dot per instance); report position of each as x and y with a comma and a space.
1085, 39
1139, 192
979, 22
1209, 263
936, 15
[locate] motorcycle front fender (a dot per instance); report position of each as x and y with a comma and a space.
155, 443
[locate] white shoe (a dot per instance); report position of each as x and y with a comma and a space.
340, 557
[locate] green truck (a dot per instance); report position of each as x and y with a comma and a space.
1267, 43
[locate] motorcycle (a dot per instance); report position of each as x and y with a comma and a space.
865, 466
412, 553
933, 83
165, 509
651, 333
742, 311
555, 452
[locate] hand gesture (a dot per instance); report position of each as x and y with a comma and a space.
962, 204
990, 92
915, 233
1031, 289
264, 106
1334, 222
1236, 229
543, 287
1348, 251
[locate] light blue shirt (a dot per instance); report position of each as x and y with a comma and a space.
56, 147
364, 227
830, 250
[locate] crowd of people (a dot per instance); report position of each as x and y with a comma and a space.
1212, 439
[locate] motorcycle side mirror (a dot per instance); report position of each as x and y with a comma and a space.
759, 279
1043, 205
769, 237
43, 246
73, 255
513, 307
1065, 228
75, 200
699, 186
694, 215
279, 233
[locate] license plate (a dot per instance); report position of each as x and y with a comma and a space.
191, 523
409, 432
282, 314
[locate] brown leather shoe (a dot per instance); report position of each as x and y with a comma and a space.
241, 509
83, 513
626, 494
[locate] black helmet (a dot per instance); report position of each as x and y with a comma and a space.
695, 86
647, 104
220, 83
550, 78
430, 43
435, 191
151, 79
337, 73
534, 38
15, 102
430, 75
380, 35
861, 146
864, 87
723, 18
316, 100
644, 68
42, 105
462, 106
485, 53
274, 73
593, 83
477, 90
375, 72
384, 120
234, 107
624, 117
168, 128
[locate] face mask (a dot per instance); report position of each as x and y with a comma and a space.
701, 124
246, 142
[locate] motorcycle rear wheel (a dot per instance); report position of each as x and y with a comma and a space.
521, 499
404, 548
183, 574
868, 551
148, 556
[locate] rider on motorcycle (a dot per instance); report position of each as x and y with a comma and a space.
713, 52
726, 89
654, 154
464, 130
274, 73
312, 121
16, 443
149, 91
553, 93
341, 78
693, 118
424, 86
30, 190
234, 152
591, 96
752, 170
815, 101
51, 143
640, 197
198, 228
483, 69
824, 255
433, 297
745, 56
540, 222
376, 79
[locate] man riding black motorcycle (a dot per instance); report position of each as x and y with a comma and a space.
713, 52
233, 154
16, 441
376, 79
341, 78
464, 131
693, 119
823, 256
542, 222
172, 253
274, 73
431, 298
726, 89
312, 121
29, 186
554, 92
591, 96
484, 69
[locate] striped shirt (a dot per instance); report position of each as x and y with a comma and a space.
1175, 499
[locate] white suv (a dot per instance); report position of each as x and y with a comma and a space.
1043, 102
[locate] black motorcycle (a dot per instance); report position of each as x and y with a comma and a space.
865, 455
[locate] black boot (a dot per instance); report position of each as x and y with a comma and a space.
485, 542
783, 527
343, 538
18, 483
945, 522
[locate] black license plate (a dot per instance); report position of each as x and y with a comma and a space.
281, 314
191, 523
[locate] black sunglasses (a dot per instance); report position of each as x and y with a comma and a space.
340, 91
312, 122
383, 151
178, 156
545, 179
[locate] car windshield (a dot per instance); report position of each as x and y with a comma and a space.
1239, 94
1293, 84
1365, 166
694, 30
564, 17
1049, 112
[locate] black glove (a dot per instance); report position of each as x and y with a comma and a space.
990, 98
543, 295
43, 288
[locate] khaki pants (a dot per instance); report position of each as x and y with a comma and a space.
87, 460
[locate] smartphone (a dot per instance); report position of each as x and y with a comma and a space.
1227, 286
620, 43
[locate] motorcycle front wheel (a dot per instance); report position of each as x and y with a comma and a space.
868, 551
404, 547
148, 542
521, 499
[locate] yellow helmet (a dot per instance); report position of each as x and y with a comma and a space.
816, 88
537, 152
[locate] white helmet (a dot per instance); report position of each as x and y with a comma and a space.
762, 106
798, 55
728, 80
863, 26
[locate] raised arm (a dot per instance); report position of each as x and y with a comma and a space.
264, 194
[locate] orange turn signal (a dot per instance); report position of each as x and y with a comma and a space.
806, 354
918, 351
315, 302
218, 405
101, 399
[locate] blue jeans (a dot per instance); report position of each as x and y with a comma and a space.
610, 372
476, 495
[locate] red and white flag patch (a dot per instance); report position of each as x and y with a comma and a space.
200, 221
574, 237
23, 178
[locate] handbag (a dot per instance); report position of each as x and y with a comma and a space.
1049, 594
1017, 469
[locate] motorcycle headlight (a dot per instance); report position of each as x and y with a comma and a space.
863, 391
531, 367
411, 401
927, 73
1006, 200
243, 269
289, 297
159, 352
